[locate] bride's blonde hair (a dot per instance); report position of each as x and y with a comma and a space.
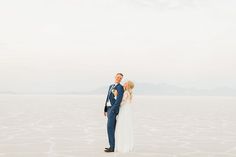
130, 88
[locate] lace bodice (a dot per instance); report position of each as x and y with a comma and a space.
126, 98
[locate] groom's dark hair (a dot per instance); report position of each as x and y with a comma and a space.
120, 74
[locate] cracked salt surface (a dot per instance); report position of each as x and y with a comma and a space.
74, 126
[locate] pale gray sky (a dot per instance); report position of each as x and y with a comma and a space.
67, 45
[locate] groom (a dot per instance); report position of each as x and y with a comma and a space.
111, 109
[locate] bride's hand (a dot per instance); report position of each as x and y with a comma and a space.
115, 92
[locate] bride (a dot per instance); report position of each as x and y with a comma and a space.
124, 126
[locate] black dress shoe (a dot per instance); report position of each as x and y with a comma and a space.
109, 150
106, 148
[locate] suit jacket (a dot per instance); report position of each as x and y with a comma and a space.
115, 103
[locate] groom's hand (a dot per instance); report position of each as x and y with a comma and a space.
105, 114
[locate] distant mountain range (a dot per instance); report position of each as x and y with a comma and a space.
153, 89
167, 89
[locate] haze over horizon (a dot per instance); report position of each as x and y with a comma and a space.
51, 46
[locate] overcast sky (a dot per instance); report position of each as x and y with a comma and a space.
68, 45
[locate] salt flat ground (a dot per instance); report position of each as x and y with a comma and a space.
74, 126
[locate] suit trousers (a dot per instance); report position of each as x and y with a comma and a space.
111, 125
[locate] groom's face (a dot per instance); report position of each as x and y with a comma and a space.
118, 78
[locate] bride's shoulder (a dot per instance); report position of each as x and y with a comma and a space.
126, 92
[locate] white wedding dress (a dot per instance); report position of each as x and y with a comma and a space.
124, 140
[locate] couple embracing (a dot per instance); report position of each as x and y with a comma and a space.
118, 111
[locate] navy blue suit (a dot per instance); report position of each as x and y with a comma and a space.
113, 111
